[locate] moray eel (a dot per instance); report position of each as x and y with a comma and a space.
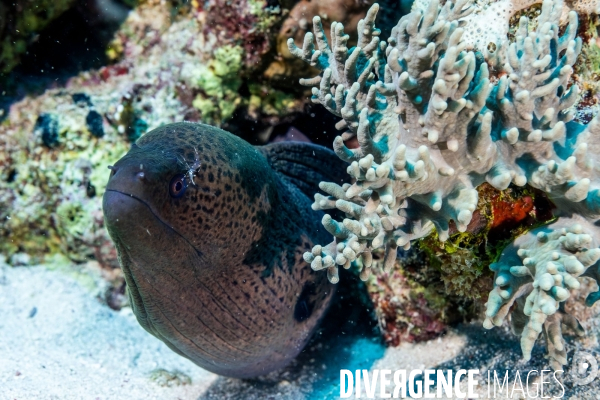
210, 233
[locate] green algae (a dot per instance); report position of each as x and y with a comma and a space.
218, 83
266, 17
587, 67
55, 206
269, 101
464, 259
165, 378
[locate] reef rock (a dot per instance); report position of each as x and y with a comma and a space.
170, 62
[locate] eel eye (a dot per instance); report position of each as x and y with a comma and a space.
177, 186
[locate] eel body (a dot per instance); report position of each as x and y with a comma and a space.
210, 233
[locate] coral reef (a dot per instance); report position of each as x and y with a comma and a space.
587, 69
296, 25
54, 162
439, 283
463, 259
244, 23
534, 277
171, 61
55, 148
486, 25
406, 310
432, 125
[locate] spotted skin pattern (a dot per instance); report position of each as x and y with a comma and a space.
217, 274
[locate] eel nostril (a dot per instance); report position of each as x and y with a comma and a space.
113, 170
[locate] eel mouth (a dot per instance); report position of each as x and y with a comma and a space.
126, 260
156, 216
142, 305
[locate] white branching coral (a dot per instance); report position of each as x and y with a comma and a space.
431, 127
534, 277
488, 21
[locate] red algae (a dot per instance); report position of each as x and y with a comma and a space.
511, 212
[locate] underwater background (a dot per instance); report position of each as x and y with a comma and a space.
82, 80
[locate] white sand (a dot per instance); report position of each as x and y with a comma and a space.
59, 341
74, 347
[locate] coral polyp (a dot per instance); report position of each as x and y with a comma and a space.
433, 124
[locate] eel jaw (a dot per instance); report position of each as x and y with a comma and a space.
119, 208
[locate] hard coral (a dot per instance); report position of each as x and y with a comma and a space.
487, 25
284, 65
296, 26
432, 127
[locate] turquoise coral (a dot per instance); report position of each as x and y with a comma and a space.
432, 125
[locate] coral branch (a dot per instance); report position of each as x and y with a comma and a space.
431, 128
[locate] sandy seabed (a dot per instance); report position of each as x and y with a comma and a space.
59, 341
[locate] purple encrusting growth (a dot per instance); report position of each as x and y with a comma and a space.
247, 23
